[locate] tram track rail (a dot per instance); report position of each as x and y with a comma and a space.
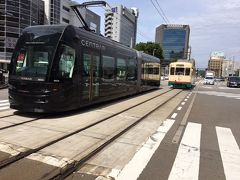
103, 144
20, 155
19, 114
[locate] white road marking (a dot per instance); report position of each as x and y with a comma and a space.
183, 103
230, 153
4, 104
3, 108
186, 165
222, 94
134, 168
185, 99
207, 87
12, 149
51, 160
179, 108
174, 115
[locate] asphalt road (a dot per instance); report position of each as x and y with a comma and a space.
200, 139
208, 147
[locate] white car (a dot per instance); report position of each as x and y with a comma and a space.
209, 80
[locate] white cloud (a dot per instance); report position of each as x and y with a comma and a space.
215, 28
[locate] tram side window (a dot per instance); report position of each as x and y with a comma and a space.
156, 70
187, 72
132, 70
66, 62
86, 65
150, 69
179, 71
172, 71
121, 69
108, 67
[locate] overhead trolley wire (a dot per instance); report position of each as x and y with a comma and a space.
162, 11
165, 20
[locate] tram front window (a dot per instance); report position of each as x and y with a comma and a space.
33, 61
179, 71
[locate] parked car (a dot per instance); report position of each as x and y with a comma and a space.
233, 81
209, 80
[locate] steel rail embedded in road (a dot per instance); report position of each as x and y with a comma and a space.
97, 147
40, 117
29, 151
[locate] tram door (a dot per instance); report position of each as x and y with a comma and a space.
90, 85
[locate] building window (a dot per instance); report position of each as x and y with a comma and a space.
65, 20
66, 8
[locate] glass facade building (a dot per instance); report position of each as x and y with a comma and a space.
174, 39
15, 15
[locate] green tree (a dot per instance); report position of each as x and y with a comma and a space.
150, 48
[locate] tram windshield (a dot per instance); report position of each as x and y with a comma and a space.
33, 55
33, 61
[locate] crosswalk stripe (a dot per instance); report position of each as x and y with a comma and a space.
3, 108
4, 104
186, 165
230, 153
134, 168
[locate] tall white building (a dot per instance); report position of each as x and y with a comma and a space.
121, 25
52, 11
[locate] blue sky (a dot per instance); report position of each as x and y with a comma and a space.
214, 24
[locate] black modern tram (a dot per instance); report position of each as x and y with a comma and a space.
61, 67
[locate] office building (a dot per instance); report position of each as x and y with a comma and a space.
60, 12
14, 17
215, 63
52, 11
67, 16
121, 25
174, 40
